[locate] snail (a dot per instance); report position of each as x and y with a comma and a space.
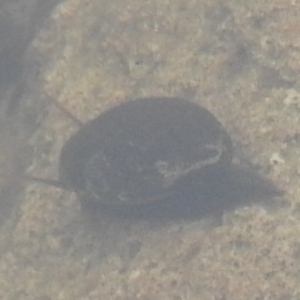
147, 154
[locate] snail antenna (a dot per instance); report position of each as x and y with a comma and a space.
27, 177
74, 119
52, 182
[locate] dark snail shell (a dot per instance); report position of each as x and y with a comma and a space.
141, 151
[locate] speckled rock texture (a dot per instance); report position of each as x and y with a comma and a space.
238, 59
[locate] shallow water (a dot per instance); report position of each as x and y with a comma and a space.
238, 60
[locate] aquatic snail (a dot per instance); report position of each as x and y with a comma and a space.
147, 152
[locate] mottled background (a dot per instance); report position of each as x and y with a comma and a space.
239, 59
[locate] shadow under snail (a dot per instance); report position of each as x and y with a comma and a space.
149, 155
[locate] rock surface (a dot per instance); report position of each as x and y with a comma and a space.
239, 61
